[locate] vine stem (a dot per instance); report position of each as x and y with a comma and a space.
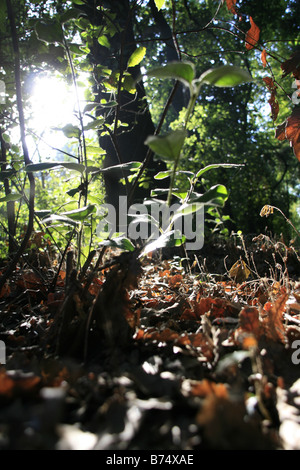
17, 71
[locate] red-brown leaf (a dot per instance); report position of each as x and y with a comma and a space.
252, 35
290, 130
231, 6
273, 321
264, 57
292, 65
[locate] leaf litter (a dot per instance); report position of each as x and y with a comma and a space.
158, 353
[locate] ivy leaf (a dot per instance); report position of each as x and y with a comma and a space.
136, 57
168, 146
49, 31
225, 76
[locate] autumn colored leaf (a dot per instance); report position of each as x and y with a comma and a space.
273, 321
290, 130
292, 65
249, 321
175, 281
12, 383
273, 100
252, 35
5, 291
264, 57
231, 6
270, 84
239, 271
203, 388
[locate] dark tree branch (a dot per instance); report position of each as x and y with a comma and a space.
17, 70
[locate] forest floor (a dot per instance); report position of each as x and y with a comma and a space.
150, 354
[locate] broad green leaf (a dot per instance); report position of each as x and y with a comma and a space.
215, 196
94, 124
183, 71
49, 32
123, 166
32, 167
171, 238
71, 131
70, 14
42, 213
225, 76
109, 104
53, 218
136, 57
120, 242
165, 174
168, 146
80, 214
129, 84
93, 150
11, 197
214, 166
103, 41
159, 3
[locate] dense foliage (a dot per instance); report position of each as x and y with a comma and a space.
109, 46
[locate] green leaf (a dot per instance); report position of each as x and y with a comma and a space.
123, 166
215, 196
70, 14
6, 174
49, 31
120, 242
129, 84
159, 4
225, 76
168, 146
103, 41
96, 124
214, 166
136, 57
163, 174
71, 131
171, 238
93, 150
60, 219
11, 197
32, 167
80, 214
183, 71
